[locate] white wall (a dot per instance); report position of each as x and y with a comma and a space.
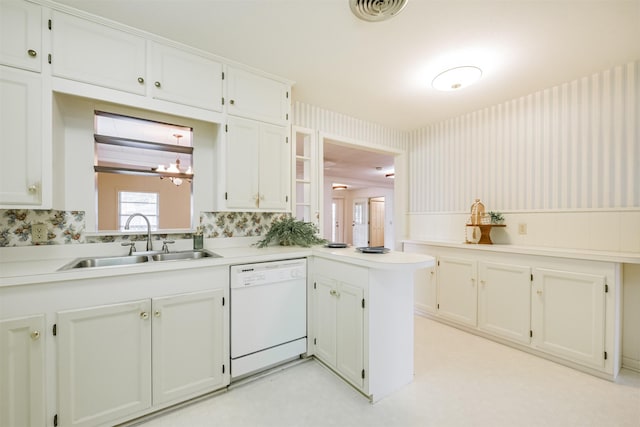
563, 160
350, 128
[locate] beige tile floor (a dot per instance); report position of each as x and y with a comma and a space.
461, 380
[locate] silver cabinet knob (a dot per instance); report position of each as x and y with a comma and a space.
156, 313
232, 102
32, 189
35, 335
157, 84
32, 53
140, 80
144, 315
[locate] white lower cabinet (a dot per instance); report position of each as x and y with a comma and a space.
339, 321
457, 290
340, 328
426, 291
504, 307
568, 315
22, 392
118, 360
188, 355
104, 363
562, 308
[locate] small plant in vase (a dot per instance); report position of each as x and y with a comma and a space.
496, 217
291, 232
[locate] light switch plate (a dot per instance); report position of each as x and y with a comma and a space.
39, 233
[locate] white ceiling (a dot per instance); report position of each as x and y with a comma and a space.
381, 71
355, 167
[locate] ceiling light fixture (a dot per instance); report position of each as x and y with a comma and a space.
376, 10
390, 175
457, 78
175, 167
339, 187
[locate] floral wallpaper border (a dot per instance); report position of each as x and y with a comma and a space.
68, 227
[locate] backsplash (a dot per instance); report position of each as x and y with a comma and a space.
68, 227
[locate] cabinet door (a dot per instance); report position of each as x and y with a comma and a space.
242, 167
504, 300
325, 320
21, 138
568, 312
457, 291
189, 345
93, 53
22, 372
274, 167
257, 97
425, 291
350, 333
185, 78
20, 34
104, 363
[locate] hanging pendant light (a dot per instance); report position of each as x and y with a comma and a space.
175, 167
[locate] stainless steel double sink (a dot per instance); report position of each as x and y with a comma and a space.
111, 261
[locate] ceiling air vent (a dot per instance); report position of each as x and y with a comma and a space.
376, 10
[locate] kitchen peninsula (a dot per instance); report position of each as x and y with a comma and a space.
360, 324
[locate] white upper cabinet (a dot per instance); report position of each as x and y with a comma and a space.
21, 141
21, 34
257, 164
256, 97
88, 52
185, 78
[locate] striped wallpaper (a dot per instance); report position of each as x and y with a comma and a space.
338, 124
574, 146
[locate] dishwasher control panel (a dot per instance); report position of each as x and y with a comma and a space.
268, 272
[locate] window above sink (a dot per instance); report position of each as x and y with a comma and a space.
147, 158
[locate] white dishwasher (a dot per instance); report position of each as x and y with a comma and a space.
268, 314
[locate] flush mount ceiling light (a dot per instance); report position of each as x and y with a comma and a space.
339, 187
457, 78
376, 10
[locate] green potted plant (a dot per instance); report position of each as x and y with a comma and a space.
496, 217
289, 231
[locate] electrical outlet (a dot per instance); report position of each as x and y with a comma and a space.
39, 233
522, 228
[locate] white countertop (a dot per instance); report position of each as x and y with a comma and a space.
583, 254
32, 269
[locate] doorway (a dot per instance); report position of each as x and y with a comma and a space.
376, 221
337, 219
358, 172
360, 223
